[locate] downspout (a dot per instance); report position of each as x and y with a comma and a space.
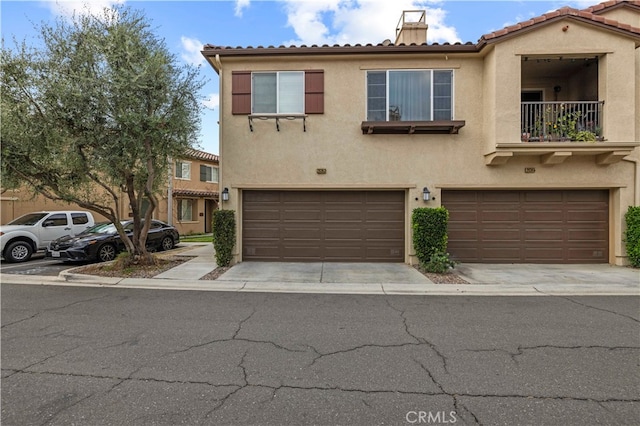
170, 194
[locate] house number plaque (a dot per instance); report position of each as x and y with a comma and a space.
529, 169
321, 171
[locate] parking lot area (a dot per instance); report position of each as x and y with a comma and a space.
37, 265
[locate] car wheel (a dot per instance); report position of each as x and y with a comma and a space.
106, 253
19, 251
167, 243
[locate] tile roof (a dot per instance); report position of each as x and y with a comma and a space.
591, 14
607, 5
201, 155
195, 193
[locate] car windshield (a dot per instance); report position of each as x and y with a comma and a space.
102, 228
28, 219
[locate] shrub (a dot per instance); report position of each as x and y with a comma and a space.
224, 235
429, 232
439, 263
632, 235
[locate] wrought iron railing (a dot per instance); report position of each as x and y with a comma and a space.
561, 121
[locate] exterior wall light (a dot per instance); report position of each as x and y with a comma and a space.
426, 195
225, 194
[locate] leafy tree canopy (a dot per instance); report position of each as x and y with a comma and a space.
96, 110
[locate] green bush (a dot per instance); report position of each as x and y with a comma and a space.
439, 263
632, 235
224, 235
429, 232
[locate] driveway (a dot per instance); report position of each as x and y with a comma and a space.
327, 272
399, 273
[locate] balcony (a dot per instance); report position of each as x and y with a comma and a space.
561, 121
557, 131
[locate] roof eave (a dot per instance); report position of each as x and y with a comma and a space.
515, 33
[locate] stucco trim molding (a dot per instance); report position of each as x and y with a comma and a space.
531, 187
324, 186
605, 153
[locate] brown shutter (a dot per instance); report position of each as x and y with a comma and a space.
314, 91
241, 92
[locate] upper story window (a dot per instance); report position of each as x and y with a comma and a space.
183, 170
410, 95
278, 92
208, 173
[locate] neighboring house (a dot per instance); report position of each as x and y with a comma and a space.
193, 183
528, 137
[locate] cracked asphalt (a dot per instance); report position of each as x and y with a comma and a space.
99, 356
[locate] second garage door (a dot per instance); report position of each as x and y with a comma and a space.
564, 226
337, 226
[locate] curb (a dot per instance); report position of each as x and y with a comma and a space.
540, 290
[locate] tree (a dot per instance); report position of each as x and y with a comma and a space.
98, 109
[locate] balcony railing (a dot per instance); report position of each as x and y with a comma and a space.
561, 121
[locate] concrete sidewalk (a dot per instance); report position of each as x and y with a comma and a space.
365, 278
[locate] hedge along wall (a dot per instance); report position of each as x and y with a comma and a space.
429, 231
224, 235
632, 235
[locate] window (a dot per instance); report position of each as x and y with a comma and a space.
185, 209
278, 92
208, 173
282, 92
59, 219
79, 218
409, 95
183, 170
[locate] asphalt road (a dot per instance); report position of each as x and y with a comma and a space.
94, 356
37, 265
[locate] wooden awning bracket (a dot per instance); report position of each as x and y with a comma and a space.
277, 118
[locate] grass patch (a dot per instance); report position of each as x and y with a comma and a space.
203, 238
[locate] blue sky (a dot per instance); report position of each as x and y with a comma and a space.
187, 25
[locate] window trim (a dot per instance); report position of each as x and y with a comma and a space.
301, 96
431, 98
194, 205
175, 172
212, 168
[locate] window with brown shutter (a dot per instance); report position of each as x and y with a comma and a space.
241, 92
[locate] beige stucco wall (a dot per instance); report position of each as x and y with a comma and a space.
487, 96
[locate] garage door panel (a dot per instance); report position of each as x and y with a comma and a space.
531, 226
532, 216
461, 216
543, 255
324, 225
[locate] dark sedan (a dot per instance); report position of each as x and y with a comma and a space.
102, 242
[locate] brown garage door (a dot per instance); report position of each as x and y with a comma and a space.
338, 226
569, 226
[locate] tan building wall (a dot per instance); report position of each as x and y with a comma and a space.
202, 195
487, 89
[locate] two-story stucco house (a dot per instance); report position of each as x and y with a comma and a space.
528, 137
190, 193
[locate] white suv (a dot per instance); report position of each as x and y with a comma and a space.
23, 236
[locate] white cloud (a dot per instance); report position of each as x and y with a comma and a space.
191, 50
240, 6
360, 21
212, 101
68, 8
